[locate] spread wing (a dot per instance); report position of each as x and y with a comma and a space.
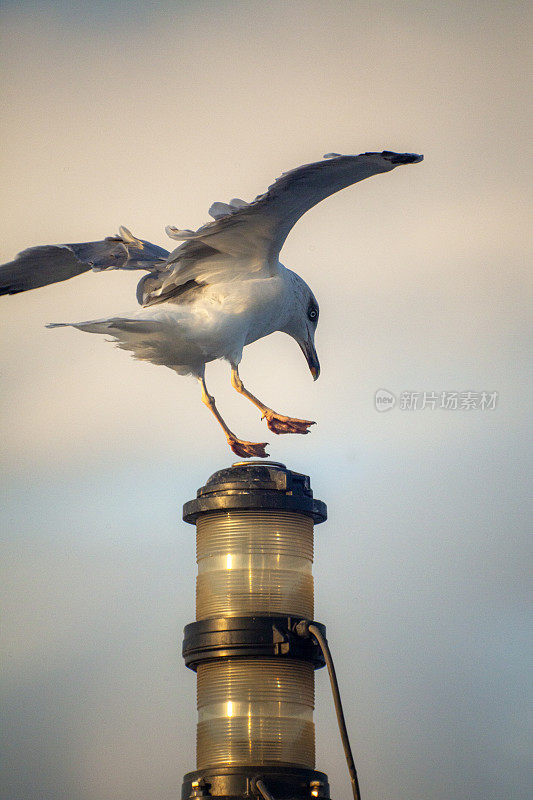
243, 242
245, 239
259, 229
40, 266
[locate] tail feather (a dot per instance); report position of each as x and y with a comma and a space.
158, 340
111, 325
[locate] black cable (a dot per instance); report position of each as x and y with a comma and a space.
316, 632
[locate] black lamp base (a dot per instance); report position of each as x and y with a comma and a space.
236, 783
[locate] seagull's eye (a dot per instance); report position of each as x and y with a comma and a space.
312, 313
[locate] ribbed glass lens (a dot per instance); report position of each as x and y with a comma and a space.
254, 562
255, 711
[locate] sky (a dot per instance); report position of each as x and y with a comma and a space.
143, 114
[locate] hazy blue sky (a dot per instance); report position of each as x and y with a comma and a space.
144, 114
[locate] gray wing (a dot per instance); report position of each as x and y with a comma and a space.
40, 266
259, 229
245, 239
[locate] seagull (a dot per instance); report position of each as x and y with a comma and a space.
222, 288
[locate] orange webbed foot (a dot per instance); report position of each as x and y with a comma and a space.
248, 449
277, 423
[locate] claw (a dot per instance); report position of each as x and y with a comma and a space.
277, 423
248, 449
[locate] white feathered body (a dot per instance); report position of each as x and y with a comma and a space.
223, 318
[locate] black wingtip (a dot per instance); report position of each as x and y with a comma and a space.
402, 158
5, 290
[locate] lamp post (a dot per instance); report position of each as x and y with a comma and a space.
254, 645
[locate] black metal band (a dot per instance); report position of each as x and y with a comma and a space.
245, 637
236, 783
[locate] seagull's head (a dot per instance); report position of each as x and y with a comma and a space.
303, 319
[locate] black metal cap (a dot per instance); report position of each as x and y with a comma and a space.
256, 485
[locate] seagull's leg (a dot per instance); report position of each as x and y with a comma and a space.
277, 423
239, 447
